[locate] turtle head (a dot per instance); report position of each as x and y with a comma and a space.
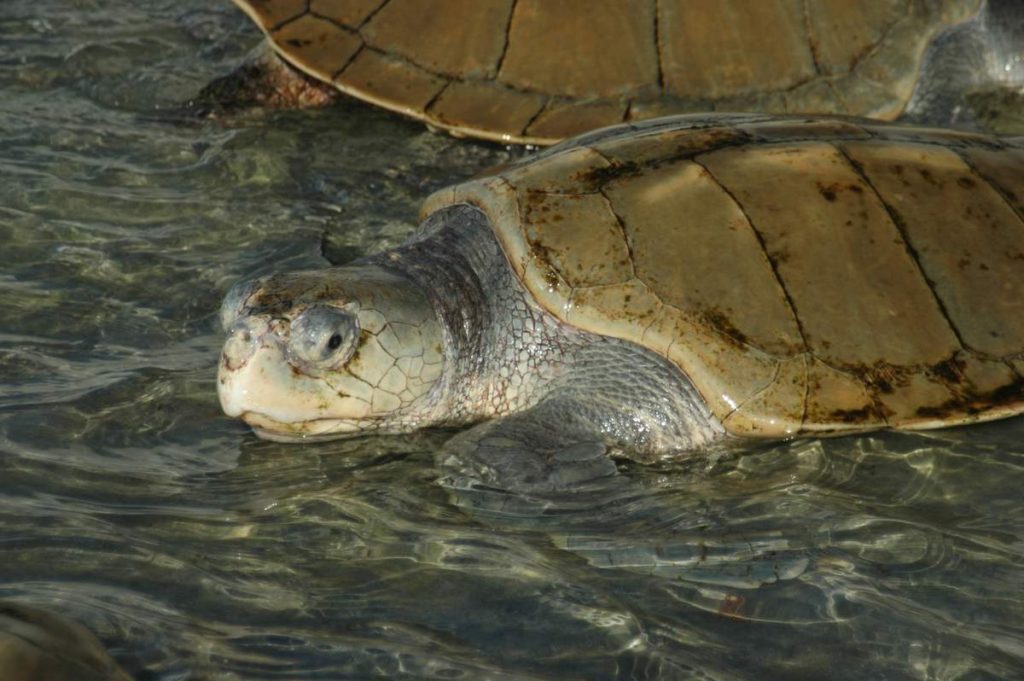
328, 353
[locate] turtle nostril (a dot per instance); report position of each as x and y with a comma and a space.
242, 342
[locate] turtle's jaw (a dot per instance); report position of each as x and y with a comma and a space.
267, 428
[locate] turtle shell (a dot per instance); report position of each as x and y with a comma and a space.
538, 71
808, 275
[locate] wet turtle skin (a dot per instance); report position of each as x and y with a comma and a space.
807, 275
538, 71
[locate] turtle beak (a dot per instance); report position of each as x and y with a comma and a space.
234, 305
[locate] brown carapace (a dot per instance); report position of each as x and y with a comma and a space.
808, 275
538, 71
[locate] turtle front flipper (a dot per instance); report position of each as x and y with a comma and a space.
549, 470
548, 448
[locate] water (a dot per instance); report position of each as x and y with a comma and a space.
196, 551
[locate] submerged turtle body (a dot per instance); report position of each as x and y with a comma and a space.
37, 645
538, 71
807, 276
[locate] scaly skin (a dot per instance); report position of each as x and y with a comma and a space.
263, 80
454, 294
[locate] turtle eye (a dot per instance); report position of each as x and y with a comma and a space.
324, 335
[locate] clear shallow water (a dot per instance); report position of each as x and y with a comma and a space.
196, 551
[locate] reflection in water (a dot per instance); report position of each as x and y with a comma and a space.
196, 551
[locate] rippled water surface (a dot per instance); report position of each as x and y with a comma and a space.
196, 551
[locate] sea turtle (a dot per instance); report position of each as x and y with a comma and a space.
36, 645
654, 287
538, 71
